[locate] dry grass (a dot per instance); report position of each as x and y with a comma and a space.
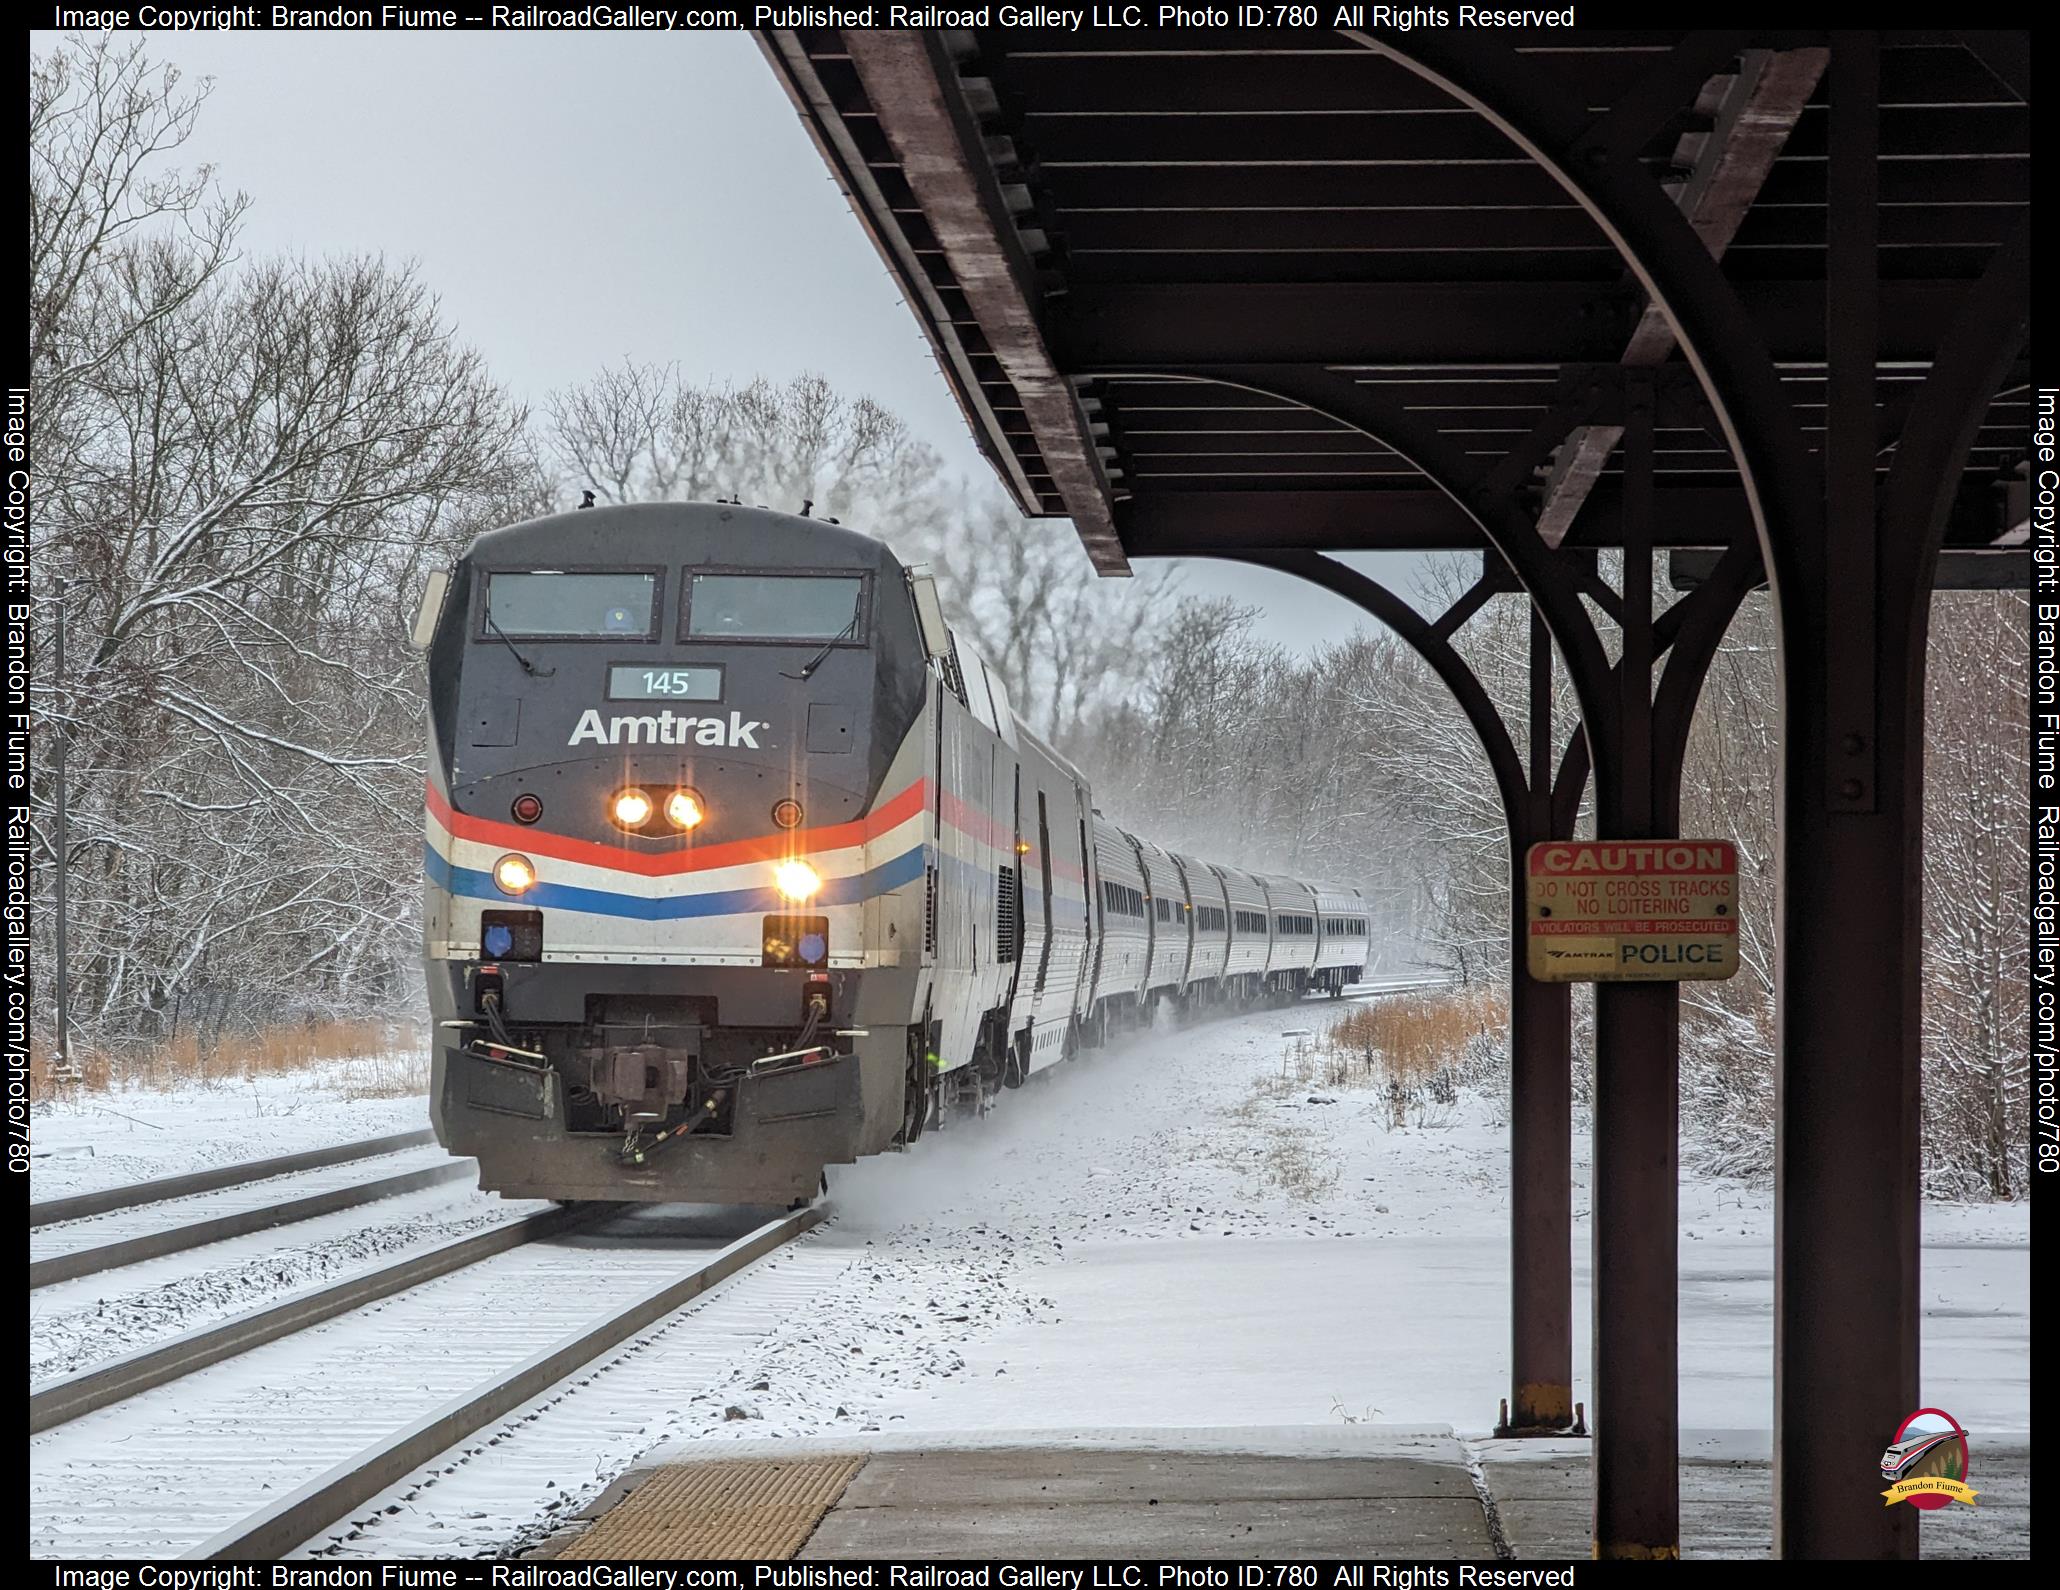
1287, 1161
1414, 1036
359, 1059
1414, 1050
1274, 1154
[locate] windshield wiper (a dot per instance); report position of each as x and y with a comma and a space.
528, 667
850, 629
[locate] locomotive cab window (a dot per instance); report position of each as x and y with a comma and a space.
562, 605
776, 607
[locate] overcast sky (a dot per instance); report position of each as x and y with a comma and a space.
578, 197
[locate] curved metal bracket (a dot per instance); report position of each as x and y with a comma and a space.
1660, 248
1982, 342
1438, 653
1501, 518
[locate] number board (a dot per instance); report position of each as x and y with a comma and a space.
646, 682
1610, 911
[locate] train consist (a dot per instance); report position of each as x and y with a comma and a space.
739, 865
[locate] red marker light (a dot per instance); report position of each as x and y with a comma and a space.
527, 809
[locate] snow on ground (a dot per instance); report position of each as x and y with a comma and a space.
77, 1324
102, 1140
1167, 1237
1197, 1251
160, 1472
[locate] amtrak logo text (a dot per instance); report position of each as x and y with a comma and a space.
665, 728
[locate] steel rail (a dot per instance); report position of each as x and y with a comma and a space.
73, 1396
53, 1210
274, 1530
198, 1233
1381, 990
1369, 990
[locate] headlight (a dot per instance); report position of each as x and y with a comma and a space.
631, 808
514, 874
683, 809
797, 880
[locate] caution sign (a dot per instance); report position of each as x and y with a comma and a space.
1608, 911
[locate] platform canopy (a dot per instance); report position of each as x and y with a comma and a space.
1084, 220
1760, 300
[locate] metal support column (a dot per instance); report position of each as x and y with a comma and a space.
1637, 1037
1847, 1164
1540, 1014
1541, 1303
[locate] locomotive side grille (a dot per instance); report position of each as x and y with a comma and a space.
929, 910
1008, 916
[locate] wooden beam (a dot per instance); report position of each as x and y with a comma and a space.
2002, 568
1755, 112
874, 195
1201, 523
1452, 325
1089, 190
1394, 518
914, 90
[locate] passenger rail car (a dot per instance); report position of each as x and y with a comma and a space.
739, 865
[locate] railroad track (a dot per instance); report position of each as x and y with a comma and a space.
79, 1206
1378, 988
329, 1414
74, 1237
73, 1396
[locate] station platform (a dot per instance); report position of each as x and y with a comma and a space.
1352, 1491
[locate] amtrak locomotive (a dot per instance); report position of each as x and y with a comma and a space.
739, 865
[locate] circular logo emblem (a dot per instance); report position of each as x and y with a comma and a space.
1926, 1463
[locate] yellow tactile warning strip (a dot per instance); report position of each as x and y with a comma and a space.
719, 1508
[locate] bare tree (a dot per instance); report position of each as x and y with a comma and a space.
1018, 590
1354, 764
1977, 948
243, 469
106, 215
251, 466
645, 433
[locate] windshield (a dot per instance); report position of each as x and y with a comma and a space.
540, 606
774, 606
